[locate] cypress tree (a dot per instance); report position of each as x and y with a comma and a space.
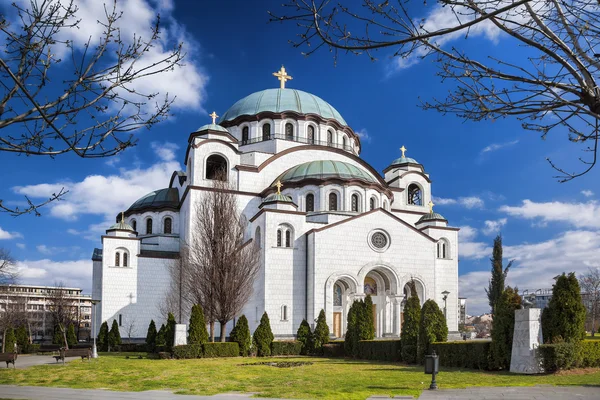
263, 337
496, 284
305, 336
352, 329
368, 325
409, 337
22, 339
241, 335
170, 331
565, 319
432, 327
103, 337
57, 337
10, 340
503, 328
71, 337
197, 333
151, 337
321, 335
114, 336
160, 336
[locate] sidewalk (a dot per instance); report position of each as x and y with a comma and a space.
515, 393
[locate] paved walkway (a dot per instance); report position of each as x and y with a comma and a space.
26, 361
516, 393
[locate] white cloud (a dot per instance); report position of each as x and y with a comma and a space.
5, 235
467, 233
580, 215
467, 202
76, 273
165, 151
21, 245
494, 227
474, 250
587, 193
364, 136
498, 146
53, 250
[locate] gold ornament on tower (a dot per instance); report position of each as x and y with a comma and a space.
214, 117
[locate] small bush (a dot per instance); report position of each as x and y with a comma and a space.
220, 349
197, 332
170, 331
286, 348
432, 327
241, 335
165, 355
133, 347
30, 348
589, 353
114, 336
558, 356
321, 334
410, 329
379, 350
305, 337
471, 355
71, 336
151, 337
187, 351
334, 349
263, 337
102, 341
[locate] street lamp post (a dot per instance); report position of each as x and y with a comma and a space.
94, 349
445, 293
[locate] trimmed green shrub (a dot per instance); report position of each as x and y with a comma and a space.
305, 337
432, 327
114, 336
221, 349
588, 354
379, 350
22, 339
352, 329
410, 329
151, 337
503, 329
241, 335
197, 332
9, 340
32, 348
263, 337
57, 336
102, 340
133, 347
321, 334
466, 354
334, 349
286, 348
565, 317
558, 356
160, 338
367, 324
188, 351
170, 331
71, 337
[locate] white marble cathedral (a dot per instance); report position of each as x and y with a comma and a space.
336, 231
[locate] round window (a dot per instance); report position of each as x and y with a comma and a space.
379, 240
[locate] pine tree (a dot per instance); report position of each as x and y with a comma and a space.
496, 285
263, 337
22, 339
368, 325
103, 337
321, 335
170, 332
503, 328
352, 329
10, 340
57, 336
160, 337
151, 337
241, 335
114, 336
432, 327
409, 337
71, 337
305, 336
198, 333
565, 319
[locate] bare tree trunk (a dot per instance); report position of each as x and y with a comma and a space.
212, 331
223, 328
3, 340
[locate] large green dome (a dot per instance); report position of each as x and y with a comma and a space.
324, 170
279, 100
163, 198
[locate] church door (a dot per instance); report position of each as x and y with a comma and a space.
337, 324
375, 318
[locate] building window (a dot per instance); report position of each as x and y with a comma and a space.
120, 320
168, 225
310, 202
288, 238
216, 168
354, 201
245, 135
333, 200
415, 195
329, 137
284, 314
278, 237
289, 132
117, 259
344, 142
149, 226
443, 249
311, 134
266, 131
134, 225
372, 203
125, 259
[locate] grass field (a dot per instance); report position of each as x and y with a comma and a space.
324, 379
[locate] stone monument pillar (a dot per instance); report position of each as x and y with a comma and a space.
526, 339
180, 335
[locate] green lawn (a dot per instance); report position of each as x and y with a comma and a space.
595, 337
324, 379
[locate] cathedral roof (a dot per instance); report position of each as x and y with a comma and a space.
279, 100
122, 226
163, 198
277, 197
404, 160
325, 169
432, 216
212, 127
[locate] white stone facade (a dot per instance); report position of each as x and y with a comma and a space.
361, 233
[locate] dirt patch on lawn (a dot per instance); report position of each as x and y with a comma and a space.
578, 371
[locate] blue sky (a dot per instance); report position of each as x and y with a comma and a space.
487, 177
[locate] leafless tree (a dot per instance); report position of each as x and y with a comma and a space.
8, 271
130, 325
13, 311
63, 309
224, 264
178, 299
57, 97
549, 84
590, 286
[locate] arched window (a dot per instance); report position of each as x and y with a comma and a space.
266, 129
385, 205
245, 135
310, 202
443, 249
125, 259
288, 238
333, 200
216, 168
329, 138
415, 195
257, 237
354, 201
289, 132
168, 225
284, 314
134, 224
372, 203
149, 226
344, 142
310, 136
278, 237
117, 259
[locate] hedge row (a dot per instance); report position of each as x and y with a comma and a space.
286, 348
472, 355
207, 350
380, 350
570, 355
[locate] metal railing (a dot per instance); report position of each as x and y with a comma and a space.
297, 140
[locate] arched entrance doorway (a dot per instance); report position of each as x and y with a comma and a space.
344, 291
406, 294
381, 284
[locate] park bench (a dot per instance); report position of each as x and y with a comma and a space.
83, 353
9, 358
48, 348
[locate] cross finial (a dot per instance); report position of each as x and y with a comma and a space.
403, 150
122, 217
279, 186
431, 206
214, 116
282, 76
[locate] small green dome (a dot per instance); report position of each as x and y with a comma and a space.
404, 160
163, 198
212, 127
432, 216
122, 226
279, 100
277, 197
325, 169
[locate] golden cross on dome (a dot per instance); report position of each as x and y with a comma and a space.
214, 116
279, 186
403, 150
431, 206
282, 76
